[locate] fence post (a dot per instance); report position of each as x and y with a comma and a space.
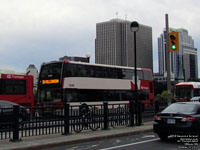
139, 113
16, 124
156, 106
131, 109
66, 119
106, 115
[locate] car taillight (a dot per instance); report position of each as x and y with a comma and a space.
157, 118
188, 119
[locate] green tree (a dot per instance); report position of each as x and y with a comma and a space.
164, 95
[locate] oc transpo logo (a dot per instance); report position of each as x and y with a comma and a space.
9, 76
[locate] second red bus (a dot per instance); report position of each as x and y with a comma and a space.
17, 88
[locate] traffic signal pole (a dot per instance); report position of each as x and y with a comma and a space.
168, 61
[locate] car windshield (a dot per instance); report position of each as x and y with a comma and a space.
180, 108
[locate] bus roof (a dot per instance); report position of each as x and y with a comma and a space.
194, 84
14, 76
100, 65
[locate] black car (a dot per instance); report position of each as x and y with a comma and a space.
7, 115
181, 118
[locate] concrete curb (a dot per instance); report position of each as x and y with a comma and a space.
82, 140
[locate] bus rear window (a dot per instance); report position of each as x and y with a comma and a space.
147, 75
12, 87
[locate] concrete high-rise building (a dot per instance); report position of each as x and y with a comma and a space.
114, 44
32, 70
75, 58
183, 64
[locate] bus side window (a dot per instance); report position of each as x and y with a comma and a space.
1, 86
197, 92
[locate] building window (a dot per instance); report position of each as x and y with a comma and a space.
192, 66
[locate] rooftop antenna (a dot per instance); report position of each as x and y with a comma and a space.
117, 15
125, 16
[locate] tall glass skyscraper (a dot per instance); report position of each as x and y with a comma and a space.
114, 44
183, 64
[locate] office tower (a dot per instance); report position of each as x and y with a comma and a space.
114, 44
183, 64
32, 70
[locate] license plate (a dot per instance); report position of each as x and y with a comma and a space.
171, 121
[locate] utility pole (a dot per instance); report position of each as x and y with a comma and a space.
168, 61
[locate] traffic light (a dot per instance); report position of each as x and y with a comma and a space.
174, 41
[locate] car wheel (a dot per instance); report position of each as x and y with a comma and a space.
163, 137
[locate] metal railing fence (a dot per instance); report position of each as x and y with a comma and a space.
68, 119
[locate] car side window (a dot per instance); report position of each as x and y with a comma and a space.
6, 106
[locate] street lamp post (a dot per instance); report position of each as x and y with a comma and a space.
134, 27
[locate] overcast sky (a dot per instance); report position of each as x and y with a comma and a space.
35, 31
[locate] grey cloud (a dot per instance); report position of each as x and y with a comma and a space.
43, 30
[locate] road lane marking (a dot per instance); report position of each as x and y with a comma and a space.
148, 136
115, 147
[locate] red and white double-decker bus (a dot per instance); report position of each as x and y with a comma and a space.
17, 88
67, 81
184, 91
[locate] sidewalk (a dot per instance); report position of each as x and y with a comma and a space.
46, 141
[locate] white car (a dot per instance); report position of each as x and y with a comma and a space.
195, 99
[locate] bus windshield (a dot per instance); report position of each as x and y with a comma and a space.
183, 92
50, 95
51, 70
